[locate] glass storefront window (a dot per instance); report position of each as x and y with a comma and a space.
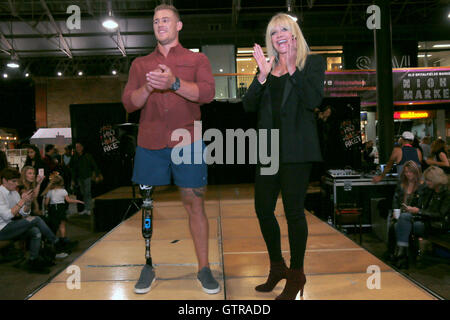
434, 54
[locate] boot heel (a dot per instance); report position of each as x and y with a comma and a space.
278, 272
295, 283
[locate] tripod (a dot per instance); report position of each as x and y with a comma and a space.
132, 203
128, 136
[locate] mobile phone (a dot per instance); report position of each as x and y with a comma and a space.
41, 172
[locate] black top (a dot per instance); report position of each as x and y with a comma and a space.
276, 85
302, 93
436, 155
409, 153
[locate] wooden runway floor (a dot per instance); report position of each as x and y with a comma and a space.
335, 266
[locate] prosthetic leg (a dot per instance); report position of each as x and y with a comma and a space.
147, 218
147, 276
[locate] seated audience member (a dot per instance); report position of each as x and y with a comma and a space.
407, 194
430, 215
29, 181
436, 201
438, 156
16, 222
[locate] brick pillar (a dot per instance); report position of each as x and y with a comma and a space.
41, 104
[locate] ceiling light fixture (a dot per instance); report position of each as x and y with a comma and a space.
291, 14
293, 17
14, 62
110, 23
445, 45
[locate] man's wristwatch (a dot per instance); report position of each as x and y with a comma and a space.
176, 85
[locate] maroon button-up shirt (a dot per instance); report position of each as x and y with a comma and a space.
166, 111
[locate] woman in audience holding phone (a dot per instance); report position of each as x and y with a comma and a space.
29, 181
34, 160
407, 195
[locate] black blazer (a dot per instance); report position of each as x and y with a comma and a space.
302, 94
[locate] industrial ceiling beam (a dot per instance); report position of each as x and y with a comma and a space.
310, 3
6, 43
119, 43
349, 8
89, 7
12, 8
65, 48
236, 7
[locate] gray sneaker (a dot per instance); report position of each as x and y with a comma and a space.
145, 280
206, 279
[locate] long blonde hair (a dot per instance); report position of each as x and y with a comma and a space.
23, 180
436, 175
415, 169
285, 20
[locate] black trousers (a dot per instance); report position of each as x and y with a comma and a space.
292, 180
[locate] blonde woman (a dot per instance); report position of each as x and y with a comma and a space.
287, 89
29, 181
433, 210
407, 196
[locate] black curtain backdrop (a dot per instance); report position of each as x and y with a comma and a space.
87, 120
222, 116
340, 134
17, 107
116, 167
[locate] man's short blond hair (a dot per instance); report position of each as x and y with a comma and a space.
168, 7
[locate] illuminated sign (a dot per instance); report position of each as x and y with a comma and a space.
412, 115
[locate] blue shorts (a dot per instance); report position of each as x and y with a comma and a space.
156, 167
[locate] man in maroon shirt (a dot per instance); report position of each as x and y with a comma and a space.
169, 85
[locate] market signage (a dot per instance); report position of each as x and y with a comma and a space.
412, 115
411, 86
